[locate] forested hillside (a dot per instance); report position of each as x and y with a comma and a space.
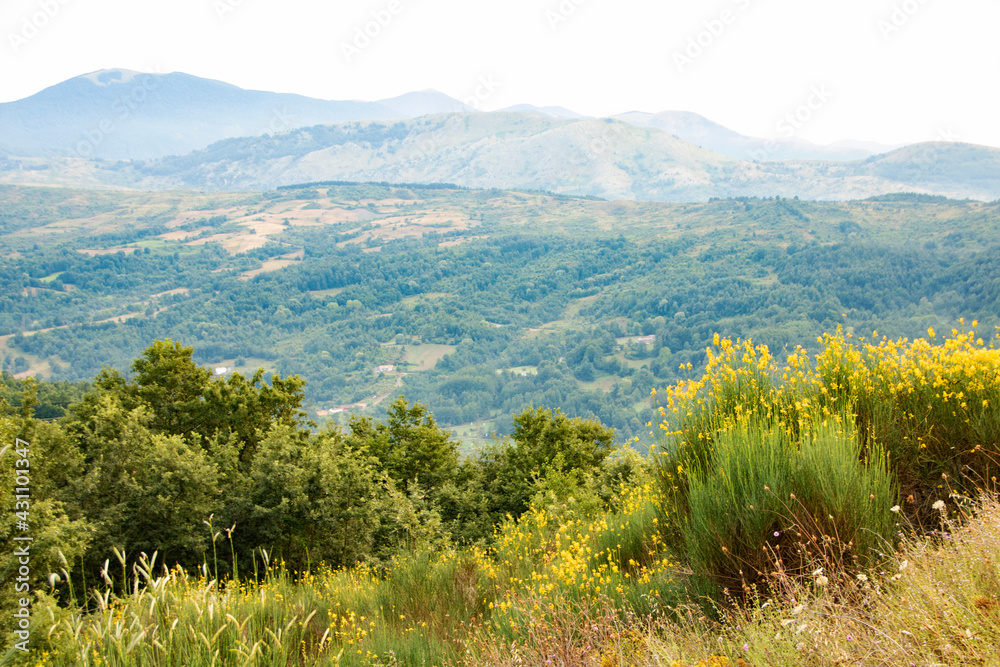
475, 303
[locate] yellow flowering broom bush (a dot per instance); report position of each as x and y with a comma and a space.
770, 466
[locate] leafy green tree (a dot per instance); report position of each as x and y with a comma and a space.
411, 524
350, 500
567, 495
167, 379
316, 499
182, 399
276, 511
464, 505
241, 410
141, 490
58, 541
410, 445
540, 435
544, 442
323, 498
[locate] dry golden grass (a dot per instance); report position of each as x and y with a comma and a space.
425, 357
268, 266
936, 602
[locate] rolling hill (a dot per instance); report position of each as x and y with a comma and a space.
602, 158
605, 158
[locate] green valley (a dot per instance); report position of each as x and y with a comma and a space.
476, 303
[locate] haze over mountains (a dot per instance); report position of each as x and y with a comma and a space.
180, 131
126, 115
701, 131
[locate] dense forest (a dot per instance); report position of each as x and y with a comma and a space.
481, 302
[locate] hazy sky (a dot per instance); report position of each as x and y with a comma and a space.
892, 71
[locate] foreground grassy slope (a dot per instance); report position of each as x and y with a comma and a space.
935, 603
662, 574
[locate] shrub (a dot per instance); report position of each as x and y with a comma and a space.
835, 439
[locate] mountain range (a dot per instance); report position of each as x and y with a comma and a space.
123, 129
126, 115
121, 114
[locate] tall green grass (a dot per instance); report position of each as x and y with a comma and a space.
765, 502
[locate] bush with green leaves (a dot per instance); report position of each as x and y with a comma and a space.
765, 501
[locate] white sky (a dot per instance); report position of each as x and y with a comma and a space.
936, 76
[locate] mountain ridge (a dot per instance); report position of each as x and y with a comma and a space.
281, 139
594, 157
122, 114
152, 117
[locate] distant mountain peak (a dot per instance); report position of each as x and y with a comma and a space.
122, 114
107, 77
425, 102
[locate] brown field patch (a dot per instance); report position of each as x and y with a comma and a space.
424, 357
274, 223
264, 227
435, 219
398, 227
234, 244
58, 226
269, 265
191, 216
341, 215
39, 369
